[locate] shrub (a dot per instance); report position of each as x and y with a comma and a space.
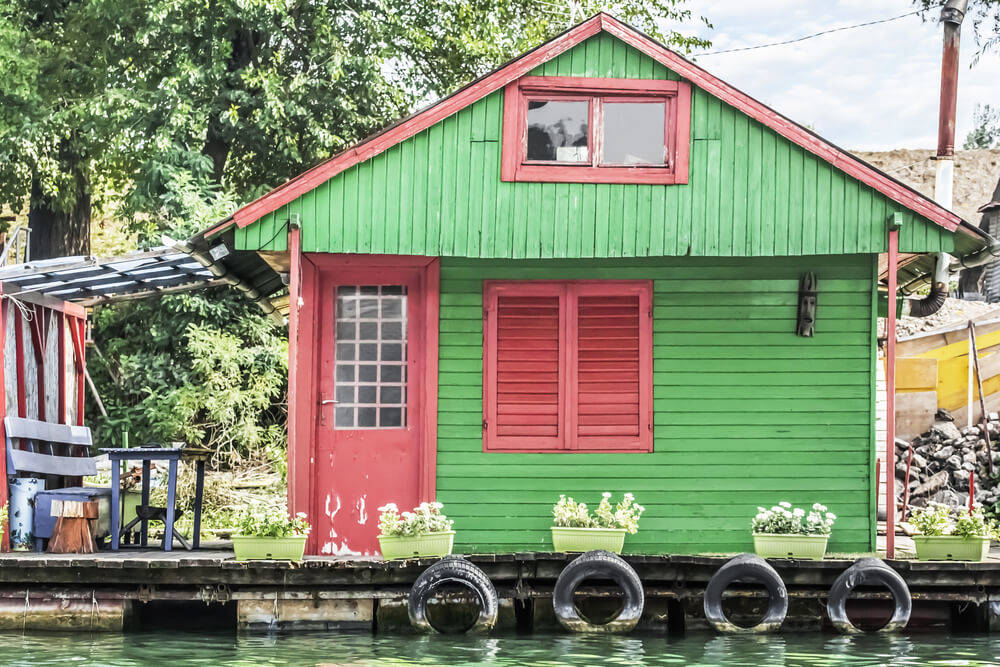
625, 514
273, 523
424, 519
783, 519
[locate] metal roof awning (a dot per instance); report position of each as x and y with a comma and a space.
90, 281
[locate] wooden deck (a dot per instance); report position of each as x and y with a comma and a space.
186, 574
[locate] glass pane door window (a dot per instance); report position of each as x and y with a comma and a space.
370, 380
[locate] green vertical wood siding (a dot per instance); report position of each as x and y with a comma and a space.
750, 193
745, 412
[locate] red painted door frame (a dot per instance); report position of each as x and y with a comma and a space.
306, 335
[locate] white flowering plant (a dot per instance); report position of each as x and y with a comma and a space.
425, 518
936, 519
623, 515
273, 522
783, 519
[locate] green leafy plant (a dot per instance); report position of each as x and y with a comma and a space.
568, 513
783, 519
273, 523
425, 518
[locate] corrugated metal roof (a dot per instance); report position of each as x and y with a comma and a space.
89, 281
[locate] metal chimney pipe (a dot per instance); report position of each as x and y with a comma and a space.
952, 15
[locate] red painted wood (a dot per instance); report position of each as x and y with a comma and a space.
61, 319
567, 366
391, 136
302, 394
525, 323
428, 445
358, 470
294, 293
39, 335
22, 401
77, 334
890, 398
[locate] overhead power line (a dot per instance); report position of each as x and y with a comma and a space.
817, 34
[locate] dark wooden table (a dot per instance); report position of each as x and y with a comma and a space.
147, 455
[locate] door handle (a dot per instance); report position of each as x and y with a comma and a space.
327, 401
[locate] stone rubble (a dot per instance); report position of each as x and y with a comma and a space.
942, 459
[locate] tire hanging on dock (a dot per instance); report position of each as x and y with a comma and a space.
457, 571
598, 565
751, 568
867, 572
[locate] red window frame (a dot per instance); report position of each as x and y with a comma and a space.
567, 439
676, 96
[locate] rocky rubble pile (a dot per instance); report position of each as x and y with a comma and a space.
942, 460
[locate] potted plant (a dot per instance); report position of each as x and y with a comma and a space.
424, 532
271, 535
947, 534
576, 529
790, 532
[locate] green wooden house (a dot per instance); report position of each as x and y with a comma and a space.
581, 273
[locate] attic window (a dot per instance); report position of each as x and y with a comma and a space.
589, 130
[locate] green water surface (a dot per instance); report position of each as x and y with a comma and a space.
186, 648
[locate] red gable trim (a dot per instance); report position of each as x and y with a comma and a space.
475, 91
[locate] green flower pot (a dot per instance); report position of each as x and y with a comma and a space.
588, 539
805, 547
951, 547
417, 546
268, 548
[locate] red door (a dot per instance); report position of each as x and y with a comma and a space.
370, 349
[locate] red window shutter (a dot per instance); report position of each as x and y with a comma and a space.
612, 373
568, 366
524, 376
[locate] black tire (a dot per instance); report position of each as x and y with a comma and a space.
453, 570
598, 565
746, 567
868, 571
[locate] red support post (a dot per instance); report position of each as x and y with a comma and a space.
295, 503
5, 531
890, 393
972, 490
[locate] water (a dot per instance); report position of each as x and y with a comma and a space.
185, 648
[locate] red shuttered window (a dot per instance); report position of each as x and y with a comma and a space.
568, 366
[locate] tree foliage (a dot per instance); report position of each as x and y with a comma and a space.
205, 369
986, 128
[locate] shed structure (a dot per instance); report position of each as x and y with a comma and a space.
581, 273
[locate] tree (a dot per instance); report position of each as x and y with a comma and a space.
235, 96
984, 15
54, 119
986, 130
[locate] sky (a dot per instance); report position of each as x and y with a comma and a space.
871, 88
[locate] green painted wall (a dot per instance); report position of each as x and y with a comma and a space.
745, 412
751, 193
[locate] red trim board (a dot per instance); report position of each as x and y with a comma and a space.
521, 66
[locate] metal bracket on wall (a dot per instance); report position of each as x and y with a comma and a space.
807, 305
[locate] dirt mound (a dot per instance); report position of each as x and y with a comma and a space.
976, 174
